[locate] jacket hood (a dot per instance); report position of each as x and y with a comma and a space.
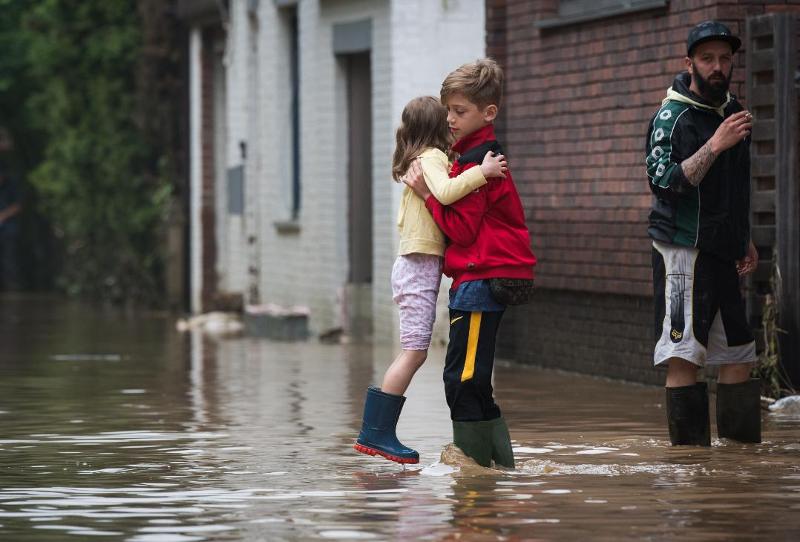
679, 92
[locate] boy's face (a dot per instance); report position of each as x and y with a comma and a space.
464, 117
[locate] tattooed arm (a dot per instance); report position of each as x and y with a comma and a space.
730, 132
696, 166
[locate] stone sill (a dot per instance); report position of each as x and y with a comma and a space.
287, 227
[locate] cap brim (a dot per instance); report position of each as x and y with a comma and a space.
733, 41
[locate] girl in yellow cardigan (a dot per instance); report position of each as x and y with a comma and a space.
423, 136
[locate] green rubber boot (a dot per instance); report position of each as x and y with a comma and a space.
502, 454
475, 441
485, 441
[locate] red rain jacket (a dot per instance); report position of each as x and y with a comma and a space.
486, 230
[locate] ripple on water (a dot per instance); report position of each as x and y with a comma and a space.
94, 532
188, 529
544, 467
438, 469
115, 437
165, 538
528, 450
346, 535
596, 451
86, 357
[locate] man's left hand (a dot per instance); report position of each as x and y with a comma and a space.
748, 264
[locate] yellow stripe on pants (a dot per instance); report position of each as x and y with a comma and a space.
472, 345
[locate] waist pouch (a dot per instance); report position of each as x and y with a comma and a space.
511, 291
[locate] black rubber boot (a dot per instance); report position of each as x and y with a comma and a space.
378, 437
687, 415
739, 411
485, 441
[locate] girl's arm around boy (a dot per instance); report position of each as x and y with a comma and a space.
447, 190
461, 221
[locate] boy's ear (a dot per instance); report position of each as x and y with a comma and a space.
490, 113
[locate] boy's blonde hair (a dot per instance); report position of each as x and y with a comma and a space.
481, 82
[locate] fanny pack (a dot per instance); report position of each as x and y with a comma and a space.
511, 291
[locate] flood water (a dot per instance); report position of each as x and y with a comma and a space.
120, 428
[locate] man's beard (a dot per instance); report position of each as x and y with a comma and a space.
714, 91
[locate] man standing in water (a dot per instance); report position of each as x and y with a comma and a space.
698, 164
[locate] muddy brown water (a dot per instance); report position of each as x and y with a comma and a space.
118, 427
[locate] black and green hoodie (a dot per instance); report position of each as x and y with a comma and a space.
713, 216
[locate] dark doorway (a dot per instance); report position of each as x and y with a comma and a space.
359, 167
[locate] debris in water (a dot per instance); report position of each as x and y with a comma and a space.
214, 323
789, 406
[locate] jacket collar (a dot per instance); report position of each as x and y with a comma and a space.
679, 92
474, 139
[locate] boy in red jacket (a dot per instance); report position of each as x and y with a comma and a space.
487, 238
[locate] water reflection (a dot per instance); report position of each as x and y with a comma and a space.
116, 427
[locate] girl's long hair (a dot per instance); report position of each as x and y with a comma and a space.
422, 125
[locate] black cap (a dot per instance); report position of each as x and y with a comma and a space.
709, 31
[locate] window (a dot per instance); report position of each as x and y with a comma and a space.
578, 11
290, 100
294, 77
287, 115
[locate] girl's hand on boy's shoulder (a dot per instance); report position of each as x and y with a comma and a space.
494, 165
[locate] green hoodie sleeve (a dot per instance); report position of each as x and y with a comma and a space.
668, 144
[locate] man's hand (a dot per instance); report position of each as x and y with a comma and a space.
416, 181
748, 264
732, 130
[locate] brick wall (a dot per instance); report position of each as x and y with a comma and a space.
593, 333
577, 103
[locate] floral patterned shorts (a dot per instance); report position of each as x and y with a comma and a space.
415, 287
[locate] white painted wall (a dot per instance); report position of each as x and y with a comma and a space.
309, 267
232, 245
415, 44
424, 49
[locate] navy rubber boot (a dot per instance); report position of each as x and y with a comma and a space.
378, 437
739, 411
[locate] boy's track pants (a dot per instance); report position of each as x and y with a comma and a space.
469, 364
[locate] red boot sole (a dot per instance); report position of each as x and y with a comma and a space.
371, 451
